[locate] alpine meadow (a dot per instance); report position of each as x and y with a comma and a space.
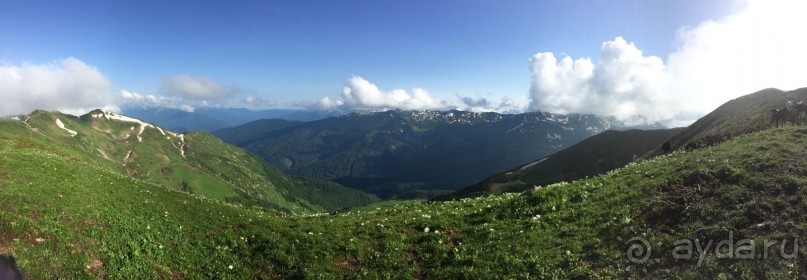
403, 140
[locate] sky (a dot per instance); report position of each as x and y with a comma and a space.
650, 60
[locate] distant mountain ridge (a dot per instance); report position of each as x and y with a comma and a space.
195, 162
211, 119
404, 154
68, 212
602, 152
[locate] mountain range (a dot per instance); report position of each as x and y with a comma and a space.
194, 162
99, 196
412, 154
210, 119
593, 156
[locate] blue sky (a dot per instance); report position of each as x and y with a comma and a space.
291, 51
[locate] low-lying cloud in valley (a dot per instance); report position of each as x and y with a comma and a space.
758, 47
68, 85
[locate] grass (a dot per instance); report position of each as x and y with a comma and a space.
63, 216
197, 163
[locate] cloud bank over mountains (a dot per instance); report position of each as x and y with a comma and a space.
624, 83
188, 92
756, 48
68, 85
360, 94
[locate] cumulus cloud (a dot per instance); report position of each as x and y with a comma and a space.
68, 85
624, 83
327, 104
359, 93
192, 87
715, 61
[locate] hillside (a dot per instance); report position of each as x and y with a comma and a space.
194, 162
741, 115
595, 155
62, 216
407, 154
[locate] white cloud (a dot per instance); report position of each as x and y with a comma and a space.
326, 103
359, 93
758, 47
257, 101
150, 100
625, 83
68, 85
188, 92
192, 87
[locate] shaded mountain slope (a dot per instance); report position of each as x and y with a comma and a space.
404, 154
595, 155
250, 131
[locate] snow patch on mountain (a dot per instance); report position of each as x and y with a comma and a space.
60, 124
552, 137
528, 166
182, 145
129, 154
103, 154
143, 125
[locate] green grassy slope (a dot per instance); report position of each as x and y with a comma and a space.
194, 162
741, 115
595, 155
61, 216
